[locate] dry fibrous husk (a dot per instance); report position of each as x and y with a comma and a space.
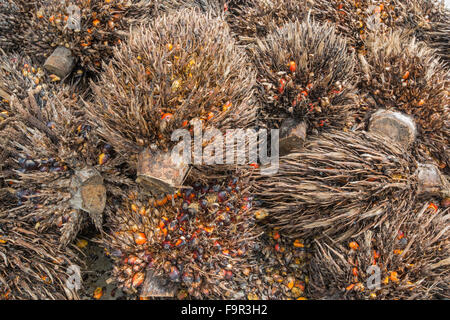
31, 264
305, 72
182, 67
402, 74
409, 253
339, 184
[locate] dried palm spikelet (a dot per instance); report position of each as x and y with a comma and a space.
89, 28
403, 74
58, 166
305, 72
354, 19
197, 240
408, 254
258, 18
31, 264
183, 66
337, 185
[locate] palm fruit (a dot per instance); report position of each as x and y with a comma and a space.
305, 72
198, 239
405, 257
403, 74
278, 269
340, 184
184, 66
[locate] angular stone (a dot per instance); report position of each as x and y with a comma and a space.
293, 136
396, 126
89, 193
430, 181
61, 62
159, 172
154, 286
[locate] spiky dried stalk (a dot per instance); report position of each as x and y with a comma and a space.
406, 257
427, 20
305, 72
403, 74
338, 185
183, 66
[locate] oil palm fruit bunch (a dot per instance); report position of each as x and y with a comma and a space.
354, 19
278, 269
14, 16
57, 167
402, 74
31, 264
89, 28
429, 21
255, 19
340, 184
17, 75
305, 72
197, 241
405, 257
183, 67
